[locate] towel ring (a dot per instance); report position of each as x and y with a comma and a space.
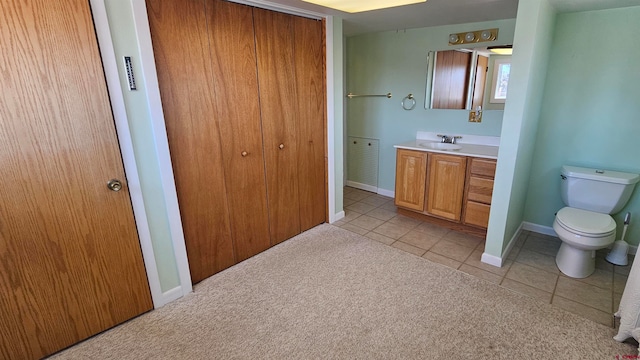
408, 102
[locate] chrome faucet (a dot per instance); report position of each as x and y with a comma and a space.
449, 139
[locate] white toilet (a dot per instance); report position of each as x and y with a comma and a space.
585, 225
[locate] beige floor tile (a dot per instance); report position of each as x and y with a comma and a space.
475, 260
538, 260
408, 248
357, 195
347, 190
380, 238
616, 302
531, 276
432, 229
355, 229
481, 274
619, 282
367, 222
543, 245
599, 278
419, 239
590, 313
623, 270
374, 200
382, 214
392, 230
521, 239
339, 222
405, 221
442, 260
350, 215
390, 206
603, 264
463, 239
452, 250
347, 202
527, 290
513, 254
585, 294
360, 207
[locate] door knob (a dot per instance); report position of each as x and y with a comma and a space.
114, 185
281, 146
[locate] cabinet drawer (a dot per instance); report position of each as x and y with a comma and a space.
483, 167
480, 190
477, 214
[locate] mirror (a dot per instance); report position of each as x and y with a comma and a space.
459, 79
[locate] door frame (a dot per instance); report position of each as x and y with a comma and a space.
150, 79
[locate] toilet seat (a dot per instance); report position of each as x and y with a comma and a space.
586, 223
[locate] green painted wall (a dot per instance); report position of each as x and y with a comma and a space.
122, 27
591, 108
396, 62
532, 41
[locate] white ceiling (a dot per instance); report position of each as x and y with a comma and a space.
441, 12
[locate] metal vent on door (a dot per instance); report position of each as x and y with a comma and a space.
362, 163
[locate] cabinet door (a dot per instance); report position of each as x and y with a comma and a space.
411, 173
237, 113
446, 185
187, 101
309, 58
278, 105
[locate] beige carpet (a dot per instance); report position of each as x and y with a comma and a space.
330, 293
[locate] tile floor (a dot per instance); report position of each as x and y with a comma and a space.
530, 268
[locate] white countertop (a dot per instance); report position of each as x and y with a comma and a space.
471, 145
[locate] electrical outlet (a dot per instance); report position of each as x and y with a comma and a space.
475, 116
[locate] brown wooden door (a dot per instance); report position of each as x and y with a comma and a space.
237, 113
181, 50
446, 185
278, 105
411, 175
70, 259
309, 58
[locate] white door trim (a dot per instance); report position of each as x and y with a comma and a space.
121, 120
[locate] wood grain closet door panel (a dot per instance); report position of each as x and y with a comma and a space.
70, 258
278, 105
237, 112
309, 55
184, 69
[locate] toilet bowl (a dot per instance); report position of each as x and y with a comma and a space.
582, 233
585, 225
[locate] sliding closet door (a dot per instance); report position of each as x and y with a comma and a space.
278, 104
310, 117
237, 112
181, 48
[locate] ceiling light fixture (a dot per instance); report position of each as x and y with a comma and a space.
354, 6
501, 50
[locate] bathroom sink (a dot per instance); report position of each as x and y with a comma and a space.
440, 146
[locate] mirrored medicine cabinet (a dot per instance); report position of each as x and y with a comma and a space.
472, 78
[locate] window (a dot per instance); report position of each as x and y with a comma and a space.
500, 82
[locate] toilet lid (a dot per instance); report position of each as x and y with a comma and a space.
587, 222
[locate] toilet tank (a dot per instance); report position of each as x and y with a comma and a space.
602, 191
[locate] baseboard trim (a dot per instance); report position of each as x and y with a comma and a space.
171, 295
335, 217
388, 193
362, 186
512, 242
540, 229
491, 260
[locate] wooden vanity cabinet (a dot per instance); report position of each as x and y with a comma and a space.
411, 177
445, 189
455, 188
478, 191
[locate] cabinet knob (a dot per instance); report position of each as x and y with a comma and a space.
244, 153
281, 146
